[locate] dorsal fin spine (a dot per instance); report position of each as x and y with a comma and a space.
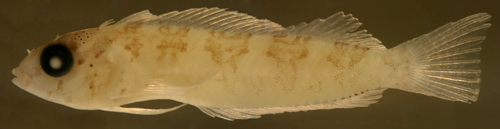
190, 15
243, 20
227, 18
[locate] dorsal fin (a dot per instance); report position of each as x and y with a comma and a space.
209, 18
337, 28
360, 100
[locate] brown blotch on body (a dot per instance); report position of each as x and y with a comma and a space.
180, 32
316, 88
286, 51
356, 57
134, 48
238, 47
91, 86
122, 91
216, 51
81, 61
173, 42
99, 53
363, 48
181, 46
340, 78
340, 44
225, 49
110, 40
73, 46
354, 78
178, 47
132, 27
60, 85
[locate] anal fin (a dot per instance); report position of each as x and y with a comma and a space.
227, 113
142, 111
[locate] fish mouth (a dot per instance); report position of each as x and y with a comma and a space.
18, 72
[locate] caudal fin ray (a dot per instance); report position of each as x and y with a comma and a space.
457, 45
446, 34
444, 62
445, 92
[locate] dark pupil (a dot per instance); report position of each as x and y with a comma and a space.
57, 51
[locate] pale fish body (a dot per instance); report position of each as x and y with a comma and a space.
233, 66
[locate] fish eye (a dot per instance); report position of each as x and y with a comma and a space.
56, 60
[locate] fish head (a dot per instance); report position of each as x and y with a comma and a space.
60, 70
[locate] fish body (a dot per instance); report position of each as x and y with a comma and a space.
233, 66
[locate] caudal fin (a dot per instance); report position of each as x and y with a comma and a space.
445, 62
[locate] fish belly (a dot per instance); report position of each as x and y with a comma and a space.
289, 70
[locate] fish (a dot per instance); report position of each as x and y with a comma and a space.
234, 66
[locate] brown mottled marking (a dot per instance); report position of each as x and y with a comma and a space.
98, 53
110, 40
49, 93
134, 48
216, 51
91, 86
403, 60
354, 77
286, 51
340, 44
279, 38
95, 74
73, 46
237, 45
256, 88
225, 50
340, 78
81, 61
356, 57
342, 52
132, 27
356, 46
179, 47
335, 56
180, 32
318, 88
59, 85
172, 42
122, 91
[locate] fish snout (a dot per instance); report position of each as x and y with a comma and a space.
21, 79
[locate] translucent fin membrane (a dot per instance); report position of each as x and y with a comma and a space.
337, 28
362, 99
445, 61
208, 18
